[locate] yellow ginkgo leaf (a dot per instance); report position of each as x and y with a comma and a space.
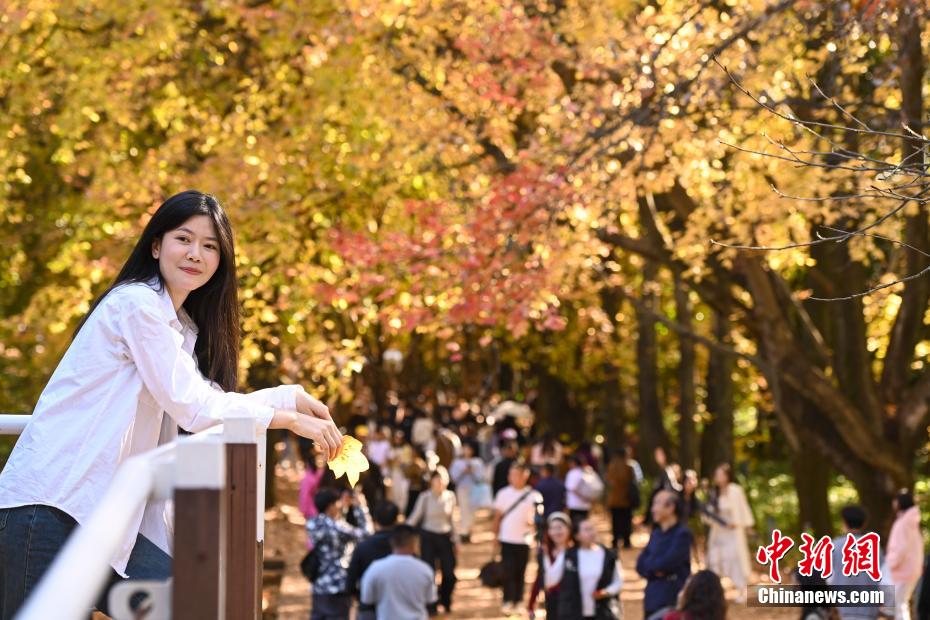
350, 461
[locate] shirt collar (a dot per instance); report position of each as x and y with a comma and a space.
179, 319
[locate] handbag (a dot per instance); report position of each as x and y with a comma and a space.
310, 565
492, 573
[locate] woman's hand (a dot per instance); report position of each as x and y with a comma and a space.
321, 430
308, 405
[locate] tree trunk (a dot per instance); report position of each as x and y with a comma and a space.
613, 412
908, 324
651, 431
373, 373
505, 379
414, 373
812, 482
876, 491
614, 407
687, 438
554, 407
471, 364
717, 438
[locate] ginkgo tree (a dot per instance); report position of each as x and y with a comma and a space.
630, 104
532, 182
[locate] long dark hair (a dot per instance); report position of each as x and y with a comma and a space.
214, 307
904, 500
548, 444
703, 597
715, 491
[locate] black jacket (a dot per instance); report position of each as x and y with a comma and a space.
501, 472
375, 547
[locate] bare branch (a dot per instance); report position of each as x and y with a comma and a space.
823, 125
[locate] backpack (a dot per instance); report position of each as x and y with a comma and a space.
591, 487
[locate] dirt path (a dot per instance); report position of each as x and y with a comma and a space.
285, 538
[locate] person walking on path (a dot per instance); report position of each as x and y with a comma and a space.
400, 586
378, 448
577, 497
334, 541
158, 350
620, 480
433, 514
727, 548
501, 470
375, 547
905, 553
854, 520
546, 451
467, 472
693, 511
588, 577
551, 489
516, 508
665, 562
309, 485
557, 539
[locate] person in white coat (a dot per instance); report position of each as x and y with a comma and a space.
157, 351
727, 548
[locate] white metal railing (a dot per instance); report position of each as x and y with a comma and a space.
81, 570
13, 424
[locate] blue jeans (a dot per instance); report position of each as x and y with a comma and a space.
31, 537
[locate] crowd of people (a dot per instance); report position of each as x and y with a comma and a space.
431, 472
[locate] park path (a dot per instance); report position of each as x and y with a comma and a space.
285, 538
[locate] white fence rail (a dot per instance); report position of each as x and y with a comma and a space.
219, 463
13, 424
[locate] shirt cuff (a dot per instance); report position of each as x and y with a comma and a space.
263, 417
287, 397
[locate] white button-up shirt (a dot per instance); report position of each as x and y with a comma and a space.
131, 363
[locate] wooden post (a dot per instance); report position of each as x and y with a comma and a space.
200, 530
244, 559
243, 600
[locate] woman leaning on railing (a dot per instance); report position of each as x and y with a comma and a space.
164, 338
